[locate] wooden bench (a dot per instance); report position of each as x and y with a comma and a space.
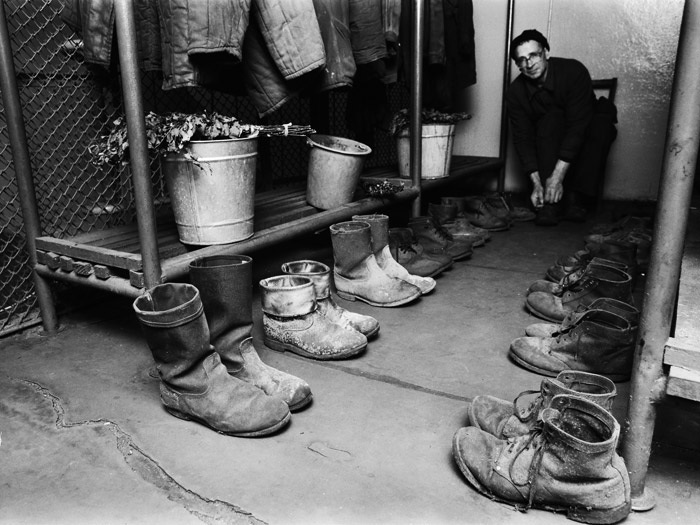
111, 259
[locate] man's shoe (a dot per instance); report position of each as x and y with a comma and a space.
547, 216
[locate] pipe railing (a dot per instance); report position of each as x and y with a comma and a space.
660, 295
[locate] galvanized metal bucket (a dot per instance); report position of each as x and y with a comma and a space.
213, 199
436, 151
335, 165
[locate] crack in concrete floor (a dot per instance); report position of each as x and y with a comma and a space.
212, 512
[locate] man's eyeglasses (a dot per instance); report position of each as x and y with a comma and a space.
532, 58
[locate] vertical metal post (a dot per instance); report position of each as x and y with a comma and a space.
675, 190
416, 131
23, 170
138, 148
503, 146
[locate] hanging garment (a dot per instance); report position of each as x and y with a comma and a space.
93, 21
334, 22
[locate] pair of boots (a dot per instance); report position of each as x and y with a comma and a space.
450, 216
409, 253
619, 253
300, 315
599, 339
482, 212
558, 453
438, 240
364, 268
554, 301
200, 337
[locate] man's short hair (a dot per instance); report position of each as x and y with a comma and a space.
526, 36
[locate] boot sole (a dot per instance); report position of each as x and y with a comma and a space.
301, 404
616, 378
254, 433
582, 514
287, 347
539, 314
351, 297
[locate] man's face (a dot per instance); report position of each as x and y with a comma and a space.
531, 59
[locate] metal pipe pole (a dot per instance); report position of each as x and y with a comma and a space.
138, 146
23, 170
416, 131
660, 294
503, 146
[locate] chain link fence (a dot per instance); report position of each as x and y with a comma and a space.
67, 103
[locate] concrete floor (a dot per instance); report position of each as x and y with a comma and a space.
84, 439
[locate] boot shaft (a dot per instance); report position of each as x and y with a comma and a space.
319, 273
352, 244
379, 230
287, 296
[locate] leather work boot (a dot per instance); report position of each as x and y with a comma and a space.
598, 342
598, 281
641, 242
357, 273
194, 384
292, 321
459, 227
479, 215
379, 228
320, 275
629, 312
499, 204
506, 419
411, 255
225, 284
435, 239
566, 463
558, 287
460, 204
621, 254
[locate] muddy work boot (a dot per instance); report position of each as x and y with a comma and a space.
435, 239
598, 342
357, 273
624, 310
411, 255
459, 227
292, 321
194, 384
379, 225
479, 215
566, 463
506, 419
320, 275
225, 284
598, 281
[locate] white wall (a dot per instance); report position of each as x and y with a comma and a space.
634, 40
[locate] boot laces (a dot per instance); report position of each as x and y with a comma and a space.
527, 414
442, 231
535, 439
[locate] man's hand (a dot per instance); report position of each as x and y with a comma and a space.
537, 195
554, 186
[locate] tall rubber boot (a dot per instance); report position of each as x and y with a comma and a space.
506, 419
624, 310
411, 255
435, 239
379, 229
194, 384
599, 342
598, 281
357, 273
459, 227
320, 275
565, 464
292, 321
225, 284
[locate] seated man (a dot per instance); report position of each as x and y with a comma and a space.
561, 133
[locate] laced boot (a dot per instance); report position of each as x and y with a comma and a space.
576, 273
292, 321
435, 239
459, 227
479, 215
565, 266
506, 419
379, 228
356, 272
501, 201
194, 384
627, 311
225, 284
320, 275
598, 342
640, 240
412, 256
497, 207
598, 281
461, 217
566, 463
